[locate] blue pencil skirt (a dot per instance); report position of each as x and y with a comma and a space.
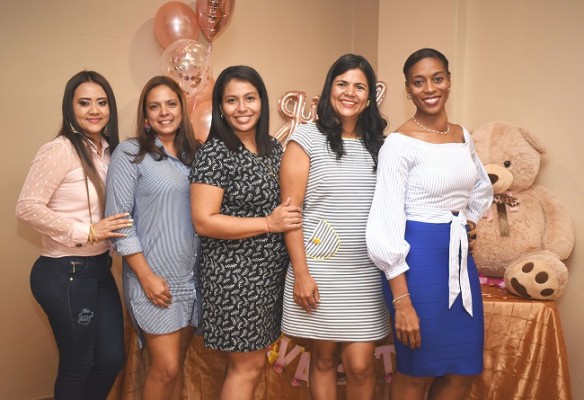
452, 340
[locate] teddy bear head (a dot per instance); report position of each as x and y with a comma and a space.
511, 155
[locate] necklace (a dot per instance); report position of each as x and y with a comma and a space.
431, 130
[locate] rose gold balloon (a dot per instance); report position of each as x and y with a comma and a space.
380, 89
201, 120
206, 92
214, 16
174, 21
291, 107
187, 62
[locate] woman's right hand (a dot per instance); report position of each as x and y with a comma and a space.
284, 217
306, 292
407, 324
106, 227
157, 290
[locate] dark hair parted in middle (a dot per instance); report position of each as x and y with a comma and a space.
420, 55
370, 125
219, 126
186, 145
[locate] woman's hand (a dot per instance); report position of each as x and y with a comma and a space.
105, 228
471, 229
157, 290
284, 217
306, 292
407, 323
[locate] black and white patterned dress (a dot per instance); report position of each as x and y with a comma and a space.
242, 280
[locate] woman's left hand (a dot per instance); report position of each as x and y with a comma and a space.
471, 229
284, 217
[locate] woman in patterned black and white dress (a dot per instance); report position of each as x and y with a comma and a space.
333, 294
235, 194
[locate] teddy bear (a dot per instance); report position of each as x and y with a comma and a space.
527, 232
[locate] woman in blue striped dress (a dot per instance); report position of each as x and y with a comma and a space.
431, 187
148, 178
333, 293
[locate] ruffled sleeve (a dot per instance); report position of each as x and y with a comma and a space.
386, 224
481, 196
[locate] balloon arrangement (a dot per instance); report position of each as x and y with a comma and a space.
188, 60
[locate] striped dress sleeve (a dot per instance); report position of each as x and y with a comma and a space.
121, 186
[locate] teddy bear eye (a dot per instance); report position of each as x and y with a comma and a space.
507, 164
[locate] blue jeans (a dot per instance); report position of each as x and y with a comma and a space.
81, 299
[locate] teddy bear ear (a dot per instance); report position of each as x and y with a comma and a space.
532, 140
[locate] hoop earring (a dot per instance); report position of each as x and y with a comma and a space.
409, 96
221, 115
368, 102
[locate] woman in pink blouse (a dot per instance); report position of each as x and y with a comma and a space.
63, 199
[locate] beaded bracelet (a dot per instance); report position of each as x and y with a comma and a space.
398, 298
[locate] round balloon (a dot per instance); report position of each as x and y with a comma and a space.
174, 21
206, 92
201, 120
187, 62
213, 16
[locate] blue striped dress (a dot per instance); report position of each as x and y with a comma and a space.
336, 205
156, 194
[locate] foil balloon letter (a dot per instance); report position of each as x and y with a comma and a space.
174, 21
187, 62
214, 16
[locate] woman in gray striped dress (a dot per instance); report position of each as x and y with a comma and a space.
148, 178
333, 293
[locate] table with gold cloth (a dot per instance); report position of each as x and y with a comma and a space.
525, 358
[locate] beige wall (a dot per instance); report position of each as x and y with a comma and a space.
43, 43
515, 60
519, 61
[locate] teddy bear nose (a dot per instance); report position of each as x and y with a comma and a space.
494, 178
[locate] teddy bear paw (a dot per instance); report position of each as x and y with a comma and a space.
540, 278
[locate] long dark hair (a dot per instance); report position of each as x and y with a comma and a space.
220, 128
186, 145
370, 124
80, 141
420, 55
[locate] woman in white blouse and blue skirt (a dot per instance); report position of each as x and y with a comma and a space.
431, 189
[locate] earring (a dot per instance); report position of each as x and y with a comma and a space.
73, 129
409, 96
221, 116
105, 133
147, 128
368, 102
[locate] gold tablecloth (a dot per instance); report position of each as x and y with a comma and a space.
525, 358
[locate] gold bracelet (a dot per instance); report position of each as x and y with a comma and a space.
93, 237
398, 298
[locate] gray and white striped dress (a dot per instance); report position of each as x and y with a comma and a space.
157, 196
336, 206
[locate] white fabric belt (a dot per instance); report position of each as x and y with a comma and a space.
458, 281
